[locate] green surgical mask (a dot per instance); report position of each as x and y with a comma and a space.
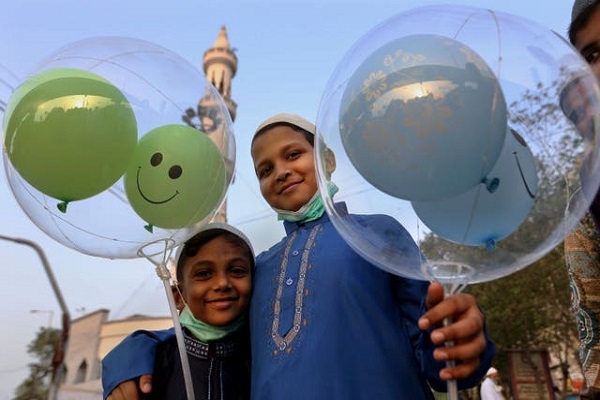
312, 210
204, 331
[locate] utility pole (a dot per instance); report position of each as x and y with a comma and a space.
61, 345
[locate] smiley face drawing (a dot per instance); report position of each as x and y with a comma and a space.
482, 216
176, 177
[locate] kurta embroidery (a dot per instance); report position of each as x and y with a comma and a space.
283, 342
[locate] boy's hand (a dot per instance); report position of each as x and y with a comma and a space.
128, 390
466, 330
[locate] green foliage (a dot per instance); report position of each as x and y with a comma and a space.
36, 386
530, 309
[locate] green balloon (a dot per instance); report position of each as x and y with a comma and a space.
176, 178
69, 133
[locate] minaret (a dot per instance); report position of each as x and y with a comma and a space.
220, 65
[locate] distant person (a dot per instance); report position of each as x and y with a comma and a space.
326, 323
582, 245
491, 388
214, 282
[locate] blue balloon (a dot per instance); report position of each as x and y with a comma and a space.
423, 118
492, 210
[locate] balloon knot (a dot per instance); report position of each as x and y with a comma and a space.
62, 206
149, 228
491, 184
163, 272
490, 244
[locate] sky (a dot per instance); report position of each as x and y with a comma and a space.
286, 50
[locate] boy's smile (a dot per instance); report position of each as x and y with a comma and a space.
217, 282
284, 165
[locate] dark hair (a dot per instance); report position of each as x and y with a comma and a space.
581, 21
309, 136
196, 242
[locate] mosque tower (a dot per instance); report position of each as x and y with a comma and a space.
220, 65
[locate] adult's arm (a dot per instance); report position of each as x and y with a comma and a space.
582, 256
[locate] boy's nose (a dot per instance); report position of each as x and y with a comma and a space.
282, 173
223, 282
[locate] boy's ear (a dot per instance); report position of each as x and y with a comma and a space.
178, 296
329, 162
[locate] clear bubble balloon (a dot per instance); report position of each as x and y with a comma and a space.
160, 89
536, 71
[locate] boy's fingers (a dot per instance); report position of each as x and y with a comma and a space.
435, 294
460, 370
127, 390
146, 383
469, 325
458, 307
462, 350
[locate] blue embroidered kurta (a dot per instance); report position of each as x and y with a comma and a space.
326, 324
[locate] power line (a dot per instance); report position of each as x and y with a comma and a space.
12, 74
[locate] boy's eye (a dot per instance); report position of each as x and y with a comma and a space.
239, 272
592, 55
293, 154
203, 274
264, 172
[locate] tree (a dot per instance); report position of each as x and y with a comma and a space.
36, 385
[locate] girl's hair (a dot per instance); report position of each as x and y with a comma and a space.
582, 19
308, 135
195, 243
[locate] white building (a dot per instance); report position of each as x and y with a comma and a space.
91, 337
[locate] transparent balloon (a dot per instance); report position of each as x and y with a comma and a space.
551, 100
161, 91
556, 115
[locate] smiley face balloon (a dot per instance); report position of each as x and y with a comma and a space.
177, 177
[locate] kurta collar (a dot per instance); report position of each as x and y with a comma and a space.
291, 227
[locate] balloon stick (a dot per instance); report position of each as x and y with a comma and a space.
163, 273
453, 277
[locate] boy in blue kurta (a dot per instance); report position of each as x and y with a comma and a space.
327, 324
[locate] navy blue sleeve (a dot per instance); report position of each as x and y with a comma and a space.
131, 358
412, 309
